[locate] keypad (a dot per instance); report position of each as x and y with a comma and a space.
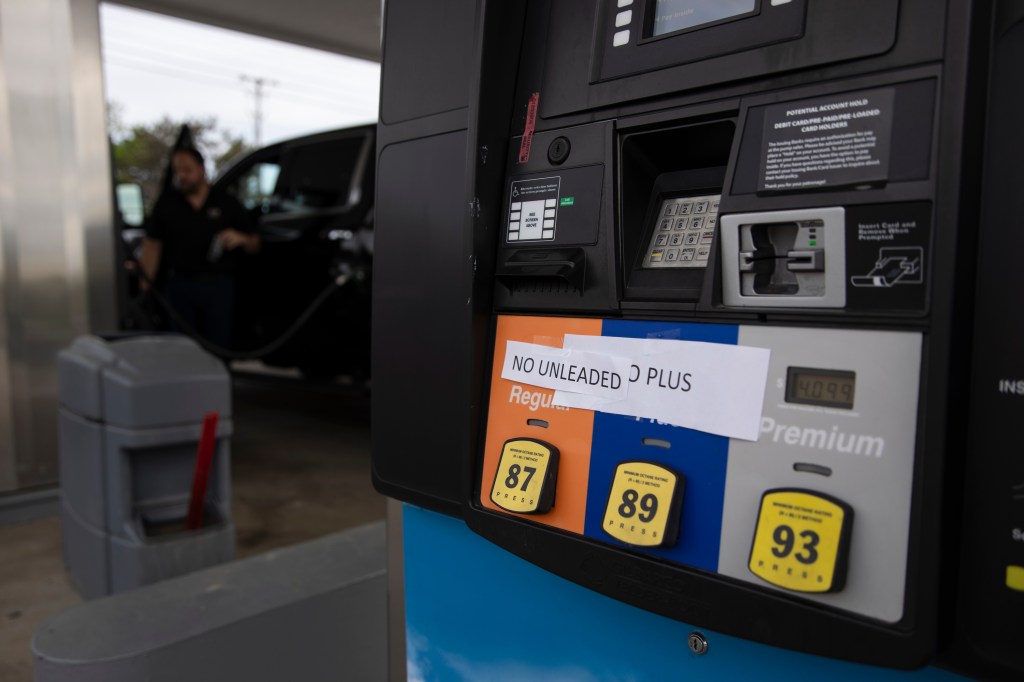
685, 232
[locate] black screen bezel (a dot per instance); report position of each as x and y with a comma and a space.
650, 11
649, 53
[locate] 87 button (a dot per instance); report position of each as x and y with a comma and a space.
526, 476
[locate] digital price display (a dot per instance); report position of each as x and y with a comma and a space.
802, 541
525, 480
676, 15
643, 505
824, 387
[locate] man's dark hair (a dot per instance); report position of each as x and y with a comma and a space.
191, 151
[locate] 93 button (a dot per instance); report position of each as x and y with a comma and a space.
802, 541
643, 505
525, 480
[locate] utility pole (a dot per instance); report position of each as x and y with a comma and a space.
258, 83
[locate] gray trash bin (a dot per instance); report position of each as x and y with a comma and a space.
131, 413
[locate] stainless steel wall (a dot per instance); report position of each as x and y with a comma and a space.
56, 239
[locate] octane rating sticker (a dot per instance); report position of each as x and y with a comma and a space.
643, 505
802, 541
526, 477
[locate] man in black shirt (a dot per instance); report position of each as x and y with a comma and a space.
195, 238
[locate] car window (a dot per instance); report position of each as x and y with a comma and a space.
320, 175
130, 203
255, 187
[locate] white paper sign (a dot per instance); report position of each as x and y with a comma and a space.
600, 375
710, 387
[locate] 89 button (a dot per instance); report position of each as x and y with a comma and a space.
802, 541
643, 505
526, 476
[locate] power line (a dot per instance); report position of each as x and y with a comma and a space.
202, 72
218, 80
343, 87
209, 79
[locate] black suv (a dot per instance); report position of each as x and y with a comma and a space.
312, 199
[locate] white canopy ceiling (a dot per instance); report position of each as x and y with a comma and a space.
350, 27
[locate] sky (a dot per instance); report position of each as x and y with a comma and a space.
156, 66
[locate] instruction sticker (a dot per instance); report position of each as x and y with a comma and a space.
533, 209
827, 141
597, 374
710, 387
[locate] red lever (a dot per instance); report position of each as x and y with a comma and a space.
201, 475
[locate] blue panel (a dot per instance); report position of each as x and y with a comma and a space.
710, 333
476, 612
700, 457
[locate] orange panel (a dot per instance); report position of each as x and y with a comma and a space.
569, 430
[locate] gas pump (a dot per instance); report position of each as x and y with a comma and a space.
673, 325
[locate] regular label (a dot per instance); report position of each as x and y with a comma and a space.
643, 505
826, 141
802, 541
525, 480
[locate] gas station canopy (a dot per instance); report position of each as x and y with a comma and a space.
349, 27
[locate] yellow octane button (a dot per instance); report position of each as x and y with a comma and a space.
802, 541
526, 476
1015, 578
643, 505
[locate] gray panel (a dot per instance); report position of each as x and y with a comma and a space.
139, 561
93, 234
163, 380
86, 551
316, 611
80, 375
396, 593
18, 508
420, 303
142, 382
164, 482
8, 479
56, 242
871, 456
427, 66
82, 466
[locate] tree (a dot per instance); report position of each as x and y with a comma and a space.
141, 151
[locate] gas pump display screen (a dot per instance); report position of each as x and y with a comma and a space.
676, 15
683, 232
824, 387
